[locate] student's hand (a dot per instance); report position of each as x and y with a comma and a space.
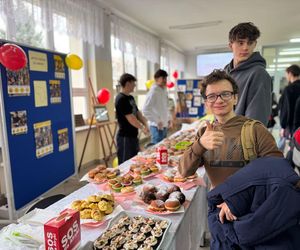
225, 213
211, 139
146, 130
160, 126
282, 133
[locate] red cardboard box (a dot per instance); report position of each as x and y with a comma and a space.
63, 232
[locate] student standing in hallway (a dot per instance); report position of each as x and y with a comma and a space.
156, 107
130, 120
288, 101
248, 69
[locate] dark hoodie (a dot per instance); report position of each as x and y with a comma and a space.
254, 87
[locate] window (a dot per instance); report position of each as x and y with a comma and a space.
206, 63
65, 44
141, 66
2, 28
117, 62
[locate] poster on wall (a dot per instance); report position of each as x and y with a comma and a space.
55, 91
18, 122
40, 93
43, 138
38, 61
63, 139
59, 67
190, 103
18, 83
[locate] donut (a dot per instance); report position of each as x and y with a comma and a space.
157, 205
178, 195
173, 188
172, 204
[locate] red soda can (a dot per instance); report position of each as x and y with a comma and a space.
162, 155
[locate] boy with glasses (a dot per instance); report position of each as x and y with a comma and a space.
248, 69
218, 145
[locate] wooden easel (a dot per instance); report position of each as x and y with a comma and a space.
101, 126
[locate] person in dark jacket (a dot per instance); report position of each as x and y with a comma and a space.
288, 101
264, 197
248, 69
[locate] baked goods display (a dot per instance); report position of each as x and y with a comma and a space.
172, 175
163, 197
125, 183
136, 232
101, 173
95, 207
144, 169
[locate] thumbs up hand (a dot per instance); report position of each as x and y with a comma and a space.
211, 139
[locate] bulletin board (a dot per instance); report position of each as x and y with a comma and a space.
190, 102
38, 124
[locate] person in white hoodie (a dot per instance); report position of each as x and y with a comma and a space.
156, 107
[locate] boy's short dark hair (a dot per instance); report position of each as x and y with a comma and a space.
294, 70
126, 78
216, 76
244, 31
160, 73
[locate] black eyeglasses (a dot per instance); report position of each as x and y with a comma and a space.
225, 96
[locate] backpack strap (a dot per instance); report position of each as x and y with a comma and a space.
248, 141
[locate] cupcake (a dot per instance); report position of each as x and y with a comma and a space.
137, 180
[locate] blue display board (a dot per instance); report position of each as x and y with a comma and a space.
38, 161
190, 101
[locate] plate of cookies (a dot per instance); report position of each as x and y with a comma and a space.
96, 209
161, 199
130, 230
145, 170
100, 174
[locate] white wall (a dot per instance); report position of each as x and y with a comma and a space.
190, 67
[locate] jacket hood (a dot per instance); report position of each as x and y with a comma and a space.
254, 60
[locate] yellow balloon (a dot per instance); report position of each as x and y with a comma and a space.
149, 84
74, 62
115, 163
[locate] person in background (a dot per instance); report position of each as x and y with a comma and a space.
130, 120
288, 101
156, 107
218, 145
248, 69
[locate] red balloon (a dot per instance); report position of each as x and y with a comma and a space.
12, 56
175, 74
103, 96
170, 85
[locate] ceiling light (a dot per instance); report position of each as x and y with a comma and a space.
295, 40
288, 59
195, 25
280, 65
291, 49
284, 53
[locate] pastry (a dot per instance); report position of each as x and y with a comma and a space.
172, 204
102, 205
146, 229
154, 168
178, 195
162, 195
179, 178
157, 205
84, 204
131, 244
107, 197
109, 209
117, 187
128, 189
100, 177
97, 215
86, 213
151, 241
92, 173
93, 206
112, 182
76, 205
145, 247
101, 167
111, 175
137, 180
149, 188
147, 197
173, 188
93, 198
100, 243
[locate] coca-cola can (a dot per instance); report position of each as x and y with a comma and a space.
162, 155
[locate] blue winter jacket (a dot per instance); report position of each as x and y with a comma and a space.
266, 202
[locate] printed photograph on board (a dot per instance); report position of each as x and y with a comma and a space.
63, 139
55, 91
18, 122
43, 138
18, 82
59, 67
